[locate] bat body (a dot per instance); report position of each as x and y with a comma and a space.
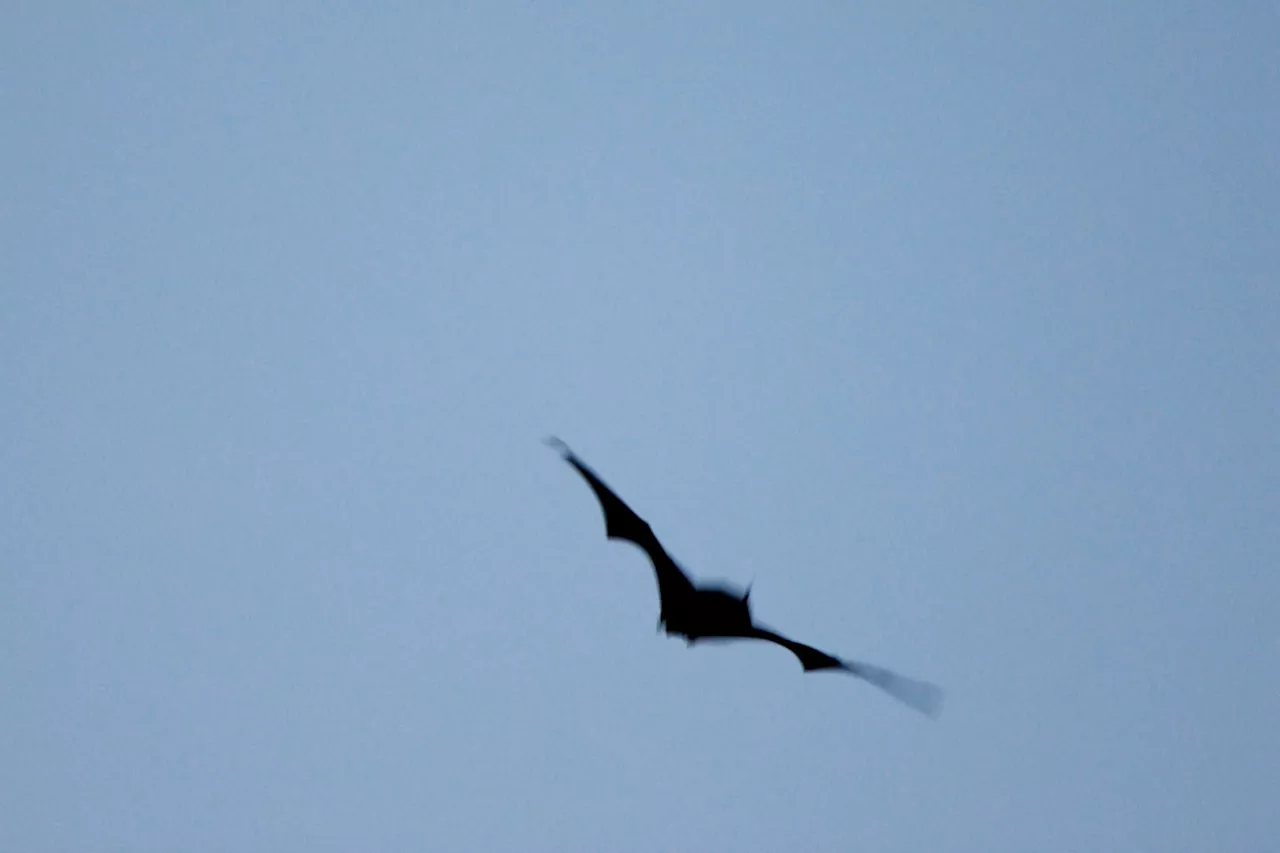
709, 611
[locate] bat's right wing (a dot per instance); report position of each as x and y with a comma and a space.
921, 695
621, 522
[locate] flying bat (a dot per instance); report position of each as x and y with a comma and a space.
713, 612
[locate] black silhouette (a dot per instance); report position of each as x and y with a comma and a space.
706, 611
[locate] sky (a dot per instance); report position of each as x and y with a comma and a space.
951, 327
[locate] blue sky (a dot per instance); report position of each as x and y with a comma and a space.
954, 327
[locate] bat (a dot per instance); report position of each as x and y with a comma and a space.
715, 612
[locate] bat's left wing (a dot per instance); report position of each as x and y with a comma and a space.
621, 522
921, 695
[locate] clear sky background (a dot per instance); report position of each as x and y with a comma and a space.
956, 327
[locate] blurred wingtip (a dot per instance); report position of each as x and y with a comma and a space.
929, 700
921, 696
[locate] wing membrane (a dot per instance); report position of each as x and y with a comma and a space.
921, 695
621, 522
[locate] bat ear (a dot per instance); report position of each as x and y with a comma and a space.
746, 596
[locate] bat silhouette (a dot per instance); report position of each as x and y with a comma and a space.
708, 611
